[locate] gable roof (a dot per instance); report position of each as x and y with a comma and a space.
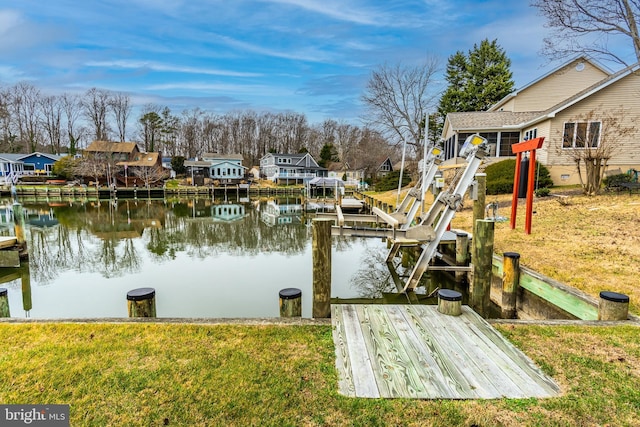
143, 160
584, 58
53, 157
112, 147
218, 156
492, 120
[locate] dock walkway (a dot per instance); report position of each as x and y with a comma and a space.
413, 351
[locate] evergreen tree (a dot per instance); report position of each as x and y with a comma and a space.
476, 80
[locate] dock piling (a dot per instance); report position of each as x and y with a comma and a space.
482, 259
290, 302
321, 254
4, 303
613, 306
510, 284
141, 302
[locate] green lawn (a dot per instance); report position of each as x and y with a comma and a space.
147, 374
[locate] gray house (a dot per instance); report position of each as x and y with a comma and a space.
290, 168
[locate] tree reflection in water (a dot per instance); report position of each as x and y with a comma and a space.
373, 278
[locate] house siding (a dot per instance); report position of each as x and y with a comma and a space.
626, 155
555, 88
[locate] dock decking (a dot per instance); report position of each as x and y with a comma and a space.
413, 351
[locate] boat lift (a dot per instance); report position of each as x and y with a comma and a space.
436, 221
429, 231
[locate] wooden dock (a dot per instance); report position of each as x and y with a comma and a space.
413, 351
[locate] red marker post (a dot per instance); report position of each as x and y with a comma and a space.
521, 147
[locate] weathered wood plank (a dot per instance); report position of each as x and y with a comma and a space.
9, 258
518, 371
364, 378
395, 373
343, 361
454, 376
475, 371
513, 352
7, 242
483, 358
432, 377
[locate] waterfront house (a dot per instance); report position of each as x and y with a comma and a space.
290, 168
384, 167
112, 151
225, 168
568, 106
350, 176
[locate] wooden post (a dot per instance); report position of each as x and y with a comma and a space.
482, 258
449, 302
613, 306
4, 303
405, 257
18, 221
462, 253
290, 302
510, 284
141, 302
25, 279
321, 254
481, 197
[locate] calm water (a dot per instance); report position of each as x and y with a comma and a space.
205, 258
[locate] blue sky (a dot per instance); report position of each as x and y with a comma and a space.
307, 56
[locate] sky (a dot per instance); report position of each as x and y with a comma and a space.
307, 56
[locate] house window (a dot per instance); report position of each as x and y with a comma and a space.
507, 139
581, 134
530, 134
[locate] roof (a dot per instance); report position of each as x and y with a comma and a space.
112, 147
143, 160
490, 120
478, 120
53, 157
222, 156
197, 163
326, 182
513, 94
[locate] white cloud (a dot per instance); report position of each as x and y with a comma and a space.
9, 20
339, 10
156, 66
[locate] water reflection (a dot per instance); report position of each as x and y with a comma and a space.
208, 258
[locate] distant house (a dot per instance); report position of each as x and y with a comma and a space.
556, 106
351, 176
15, 165
290, 168
38, 163
143, 169
385, 166
226, 168
112, 151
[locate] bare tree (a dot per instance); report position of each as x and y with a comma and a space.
397, 99
587, 27
51, 108
93, 168
95, 105
26, 103
150, 175
120, 105
7, 135
591, 139
72, 107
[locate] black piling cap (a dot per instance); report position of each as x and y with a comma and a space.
290, 293
614, 296
514, 255
449, 295
3, 292
141, 294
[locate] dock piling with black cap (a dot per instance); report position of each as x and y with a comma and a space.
290, 302
613, 306
141, 302
449, 302
510, 284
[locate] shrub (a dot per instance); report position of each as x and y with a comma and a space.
543, 192
500, 176
390, 181
616, 180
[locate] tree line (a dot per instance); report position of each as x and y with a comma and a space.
31, 120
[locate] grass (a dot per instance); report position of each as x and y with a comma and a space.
207, 375
233, 375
